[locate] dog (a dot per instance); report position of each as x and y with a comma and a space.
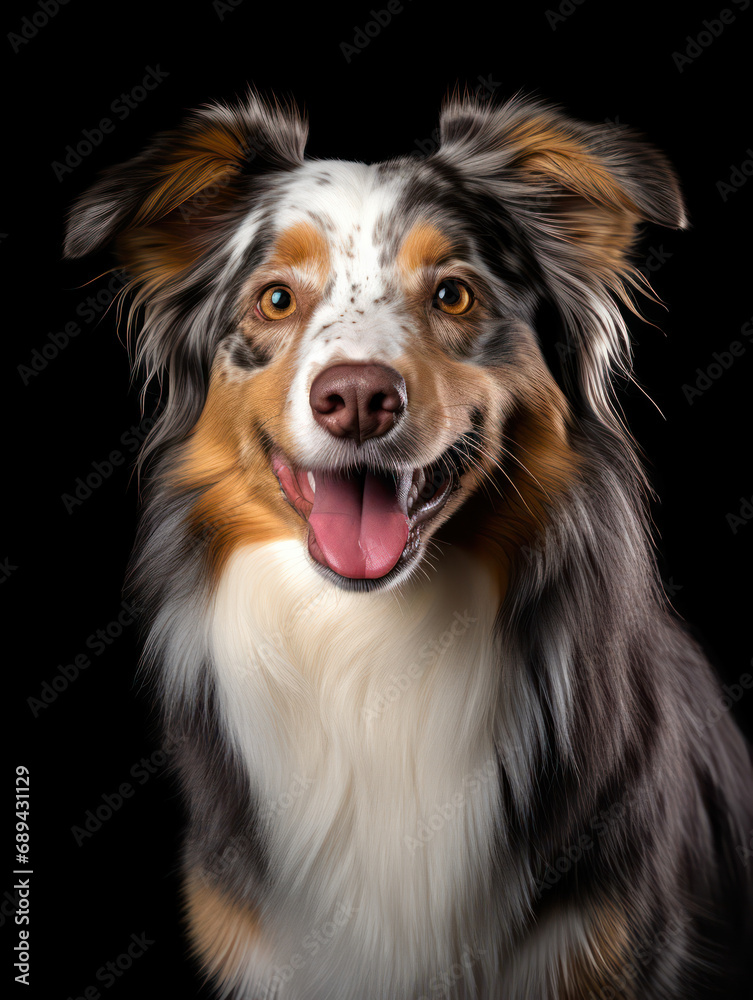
438, 730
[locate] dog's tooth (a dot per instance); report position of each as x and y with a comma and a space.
312, 481
403, 486
419, 481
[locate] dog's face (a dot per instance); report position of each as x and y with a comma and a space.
382, 397
369, 331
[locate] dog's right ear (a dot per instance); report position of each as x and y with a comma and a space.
579, 194
169, 215
186, 176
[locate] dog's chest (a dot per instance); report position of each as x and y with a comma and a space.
365, 724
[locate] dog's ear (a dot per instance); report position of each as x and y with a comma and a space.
167, 201
170, 214
578, 194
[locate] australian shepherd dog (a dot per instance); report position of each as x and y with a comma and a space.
438, 731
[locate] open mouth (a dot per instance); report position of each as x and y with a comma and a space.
365, 522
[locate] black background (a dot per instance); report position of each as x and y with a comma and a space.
64, 571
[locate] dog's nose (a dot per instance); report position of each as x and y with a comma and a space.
358, 401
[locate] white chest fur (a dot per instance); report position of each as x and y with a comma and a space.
365, 724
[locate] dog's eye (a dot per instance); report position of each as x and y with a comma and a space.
277, 302
453, 297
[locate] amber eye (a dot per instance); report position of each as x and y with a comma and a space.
453, 297
277, 302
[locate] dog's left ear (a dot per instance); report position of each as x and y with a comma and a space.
578, 194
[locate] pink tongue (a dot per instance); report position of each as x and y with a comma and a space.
358, 528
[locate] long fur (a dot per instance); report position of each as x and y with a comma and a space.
492, 776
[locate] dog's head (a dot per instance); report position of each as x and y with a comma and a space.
352, 349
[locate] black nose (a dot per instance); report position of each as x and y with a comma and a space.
358, 401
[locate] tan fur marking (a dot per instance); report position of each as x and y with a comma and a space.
607, 967
428, 256
192, 164
220, 929
605, 235
223, 456
507, 514
595, 212
551, 151
424, 246
161, 242
156, 257
301, 246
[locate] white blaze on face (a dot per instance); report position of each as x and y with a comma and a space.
361, 318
